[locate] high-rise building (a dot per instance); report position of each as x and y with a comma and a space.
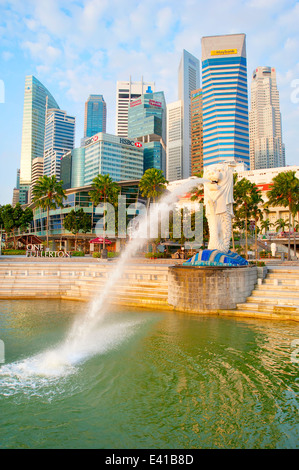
37, 172
147, 124
174, 139
266, 145
121, 158
188, 80
95, 115
225, 99
73, 168
125, 93
59, 138
36, 100
196, 132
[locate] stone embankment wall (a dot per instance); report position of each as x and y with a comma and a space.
202, 289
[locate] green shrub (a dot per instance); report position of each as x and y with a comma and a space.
77, 253
14, 252
96, 254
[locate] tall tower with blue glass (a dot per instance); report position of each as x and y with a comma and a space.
95, 115
59, 138
225, 100
36, 100
147, 124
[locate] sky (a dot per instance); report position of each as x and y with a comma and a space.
81, 47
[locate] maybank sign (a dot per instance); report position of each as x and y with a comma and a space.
224, 52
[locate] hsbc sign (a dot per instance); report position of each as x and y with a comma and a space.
130, 142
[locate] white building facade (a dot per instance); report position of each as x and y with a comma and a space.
174, 139
266, 145
125, 93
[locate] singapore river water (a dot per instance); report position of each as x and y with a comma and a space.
152, 380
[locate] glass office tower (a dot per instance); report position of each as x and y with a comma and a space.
36, 100
59, 138
95, 115
225, 99
147, 124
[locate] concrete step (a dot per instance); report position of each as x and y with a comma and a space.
267, 307
275, 293
246, 313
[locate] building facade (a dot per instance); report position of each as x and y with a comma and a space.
147, 124
121, 158
125, 93
37, 172
188, 80
266, 144
95, 118
196, 132
263, 179
36, 101
225, 99
174, 138
59, 138
73, 168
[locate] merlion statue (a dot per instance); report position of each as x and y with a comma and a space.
218, 199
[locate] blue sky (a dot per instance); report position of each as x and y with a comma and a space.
77, 47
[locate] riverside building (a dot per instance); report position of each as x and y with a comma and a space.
266, 144
125, 93
95, 118
174, 138
121, 158
59, 138
225, 99
37, 99
147, 124
196, 132
188, 80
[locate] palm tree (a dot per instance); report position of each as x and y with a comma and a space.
152, 185
247, 198
285, 192
48, 193
104, 189
280, 224
265, 225
256, 211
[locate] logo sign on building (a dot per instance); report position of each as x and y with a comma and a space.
155, 103
224, 51
135, 103
91, 140
130, 142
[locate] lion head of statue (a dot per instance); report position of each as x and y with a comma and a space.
219, 184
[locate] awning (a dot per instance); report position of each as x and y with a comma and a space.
101, 240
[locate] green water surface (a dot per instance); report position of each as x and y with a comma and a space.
156, 380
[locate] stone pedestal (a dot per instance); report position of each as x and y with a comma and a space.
209, 289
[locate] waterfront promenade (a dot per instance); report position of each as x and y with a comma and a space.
144, 283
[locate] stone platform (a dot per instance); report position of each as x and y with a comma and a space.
209, 288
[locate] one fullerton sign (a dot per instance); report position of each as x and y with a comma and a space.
37, 251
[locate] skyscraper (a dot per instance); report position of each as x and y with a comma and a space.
266, 146
59, 138
125, 93
174, 138
225, 99
196, 132
147, 124
95, 115
37, 98
188, 80
37, 172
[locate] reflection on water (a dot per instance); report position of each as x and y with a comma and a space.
148, 380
